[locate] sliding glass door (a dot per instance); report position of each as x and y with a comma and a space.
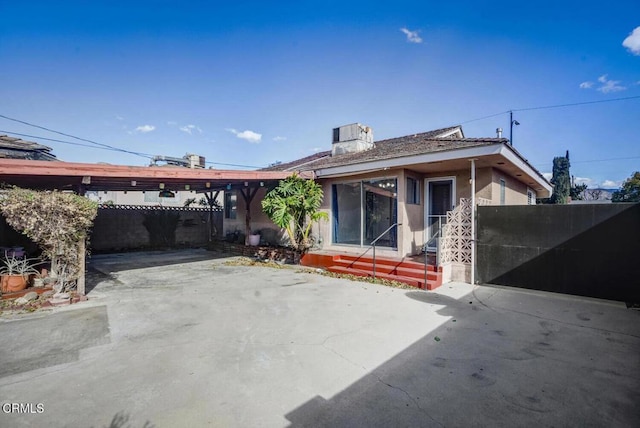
364, 210
347, 216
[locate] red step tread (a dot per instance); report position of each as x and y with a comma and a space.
432, 283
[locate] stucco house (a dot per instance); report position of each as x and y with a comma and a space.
411, 185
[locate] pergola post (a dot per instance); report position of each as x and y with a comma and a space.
211, 198
248, 197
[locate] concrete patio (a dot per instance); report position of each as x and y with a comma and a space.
181, 339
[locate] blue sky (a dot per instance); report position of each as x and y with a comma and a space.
251, 83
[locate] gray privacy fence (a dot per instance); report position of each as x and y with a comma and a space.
588, 250
127, 227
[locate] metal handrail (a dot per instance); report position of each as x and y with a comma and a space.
425, 247
373, 245
426, 244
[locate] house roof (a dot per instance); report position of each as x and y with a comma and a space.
16, 148
294, 165
424, 152
426, 142
398, 148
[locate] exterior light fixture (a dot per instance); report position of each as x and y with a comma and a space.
161, 185
187, 187
134, 182
207, 184
86, 179
229, 186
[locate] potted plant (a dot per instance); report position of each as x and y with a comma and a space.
254, 238
15, 272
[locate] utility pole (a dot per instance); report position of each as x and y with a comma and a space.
511, 123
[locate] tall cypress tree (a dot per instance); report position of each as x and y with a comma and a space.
561, 179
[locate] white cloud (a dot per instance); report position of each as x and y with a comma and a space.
607, 85
586, 85
632, 42
611, 86
547, 175
172, 123
190, 128
144, 128
412, 36
610, 184
583, 180
250, 136
278, 138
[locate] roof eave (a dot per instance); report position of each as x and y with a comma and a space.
440, 156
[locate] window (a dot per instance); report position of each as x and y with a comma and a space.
503, 187
531, 197
413, 191
363, 211
230, 205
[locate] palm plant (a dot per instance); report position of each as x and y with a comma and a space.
293, 206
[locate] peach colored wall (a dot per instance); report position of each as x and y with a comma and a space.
515, 190
259, 219
463, 186
413, 216
411, 233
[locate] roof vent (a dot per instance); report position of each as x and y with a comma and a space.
499, 132
351, 138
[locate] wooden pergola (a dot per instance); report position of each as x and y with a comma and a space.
83, 177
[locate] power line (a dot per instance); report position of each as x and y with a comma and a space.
110, 149
576, 104
552, 106
597, 160
62, 141
233, 164
74, 137
485, 117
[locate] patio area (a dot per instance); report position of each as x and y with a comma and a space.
188, 338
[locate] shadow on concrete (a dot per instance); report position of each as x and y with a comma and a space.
26, 345
146, 259
472, 371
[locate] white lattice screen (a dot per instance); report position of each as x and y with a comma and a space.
455, 246
456, 237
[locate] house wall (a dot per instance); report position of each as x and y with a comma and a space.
271, 234
484, 177
412, 214
515, 190
410, 234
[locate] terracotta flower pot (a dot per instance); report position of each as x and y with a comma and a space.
13, 283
